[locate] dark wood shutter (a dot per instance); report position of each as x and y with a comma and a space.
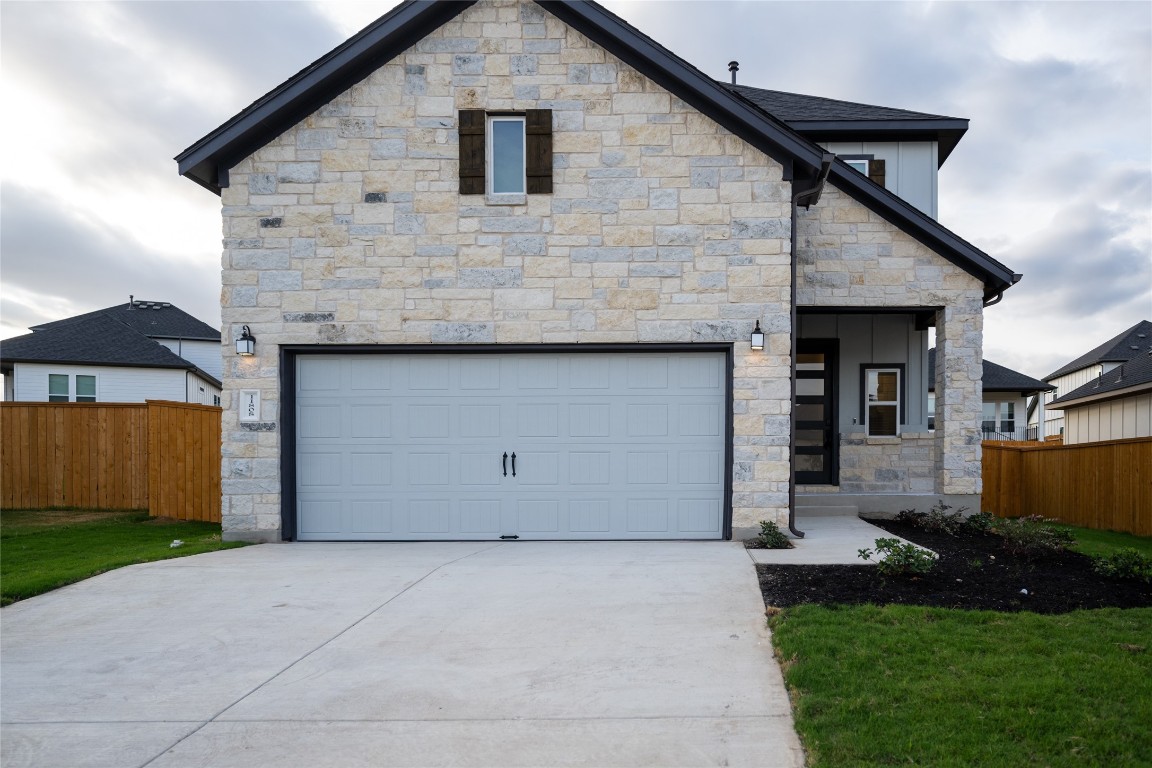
538, 150
876, 171
472, 123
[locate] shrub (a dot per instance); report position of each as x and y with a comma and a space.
900, 559
940, 520
1032, 535
909, 516
979, 522
771, 537
1127, 563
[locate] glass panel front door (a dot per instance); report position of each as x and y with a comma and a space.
815, 446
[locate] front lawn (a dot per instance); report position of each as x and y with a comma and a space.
41, 550
924, 685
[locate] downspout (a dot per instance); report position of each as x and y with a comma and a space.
998, 297
813, 193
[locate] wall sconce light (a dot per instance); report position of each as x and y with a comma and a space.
246, 344
757, 337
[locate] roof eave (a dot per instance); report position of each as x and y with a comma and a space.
945, 132
1114, 394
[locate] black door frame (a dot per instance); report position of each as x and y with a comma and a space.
830, 348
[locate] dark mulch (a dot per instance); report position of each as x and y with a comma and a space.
973, 572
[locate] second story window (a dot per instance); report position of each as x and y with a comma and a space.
506, 144
872, 167
505, 153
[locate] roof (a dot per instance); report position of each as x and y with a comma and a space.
154, 319
996, 378
1129, 344
95, 340
1135, 375
208, 160
822, 119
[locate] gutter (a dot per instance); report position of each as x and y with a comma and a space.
810, 196
999, 296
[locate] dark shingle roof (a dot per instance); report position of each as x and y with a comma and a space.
1129, 344
208, 160
822, 119
1134, 373
997, 378
93, 339
154, 319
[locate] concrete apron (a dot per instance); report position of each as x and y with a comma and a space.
828, 540
438, 654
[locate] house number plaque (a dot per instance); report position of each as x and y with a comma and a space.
249, 405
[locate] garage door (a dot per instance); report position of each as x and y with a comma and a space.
528, 446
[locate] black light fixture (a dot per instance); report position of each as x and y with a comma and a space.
757, 337
246, 344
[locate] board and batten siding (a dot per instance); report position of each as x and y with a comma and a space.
113, 385
1110, 420
910, 167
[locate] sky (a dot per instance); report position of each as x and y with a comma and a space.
1053, 178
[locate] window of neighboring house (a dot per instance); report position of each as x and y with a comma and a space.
215, 399
1008, 418
872, 167
882, 406
57, 388
505, 155
931, 411
85, 389
988, 418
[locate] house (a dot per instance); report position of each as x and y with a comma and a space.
515, 270
1005, 400
1085, 369
129, 353
1113, 406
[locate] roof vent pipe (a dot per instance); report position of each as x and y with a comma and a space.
733, 67
131, 301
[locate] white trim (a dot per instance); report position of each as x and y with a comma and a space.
489, 154
869, 403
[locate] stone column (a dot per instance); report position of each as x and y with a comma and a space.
959, 368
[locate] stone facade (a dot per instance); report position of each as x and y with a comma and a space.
662, 227
888, 465
850, 257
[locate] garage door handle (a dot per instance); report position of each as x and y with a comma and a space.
513, 464
504, 463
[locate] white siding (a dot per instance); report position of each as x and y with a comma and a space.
113, 385
1110, 420
201, 391
205, 355
910, 168
1054, 420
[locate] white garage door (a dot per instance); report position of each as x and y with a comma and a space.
531, 446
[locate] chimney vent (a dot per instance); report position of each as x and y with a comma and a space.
733, 67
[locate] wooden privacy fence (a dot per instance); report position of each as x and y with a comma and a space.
1106, 485
160, 456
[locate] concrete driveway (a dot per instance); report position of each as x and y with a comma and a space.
438, 654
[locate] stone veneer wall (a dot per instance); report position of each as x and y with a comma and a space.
849, 257
663, 227
904, 464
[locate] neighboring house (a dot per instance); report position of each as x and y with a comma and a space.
129, 353
1114, 406
1085, 369
516, 270
1006, 394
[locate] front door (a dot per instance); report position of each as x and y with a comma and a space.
816, 434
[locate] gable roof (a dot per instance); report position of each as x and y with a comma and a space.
996, 378
1133, 376
154, 319
208, 160
822, 119
1128, 345
90, 340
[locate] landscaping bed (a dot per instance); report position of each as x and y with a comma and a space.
973, 572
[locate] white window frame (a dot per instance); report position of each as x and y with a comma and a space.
859, 163
490, 154
71, 395
76, 388
55, 397
869, 402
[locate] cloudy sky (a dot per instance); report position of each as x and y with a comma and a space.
1054, 177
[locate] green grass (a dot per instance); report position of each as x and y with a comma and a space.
1092, 542
901, 685
42, 550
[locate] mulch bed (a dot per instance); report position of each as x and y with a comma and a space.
972, 572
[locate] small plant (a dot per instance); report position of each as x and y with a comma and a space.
1128, 564
1033, 535
979, 522
909, 516
940, 520
771, 537
900, 559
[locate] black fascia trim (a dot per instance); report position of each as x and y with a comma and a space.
313, 87
289, 353
103, 363
734, 112
856, 310
947, 133
924, 228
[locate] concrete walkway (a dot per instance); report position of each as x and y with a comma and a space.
453, 654
828, 540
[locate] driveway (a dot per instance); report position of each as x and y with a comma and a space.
368, 654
